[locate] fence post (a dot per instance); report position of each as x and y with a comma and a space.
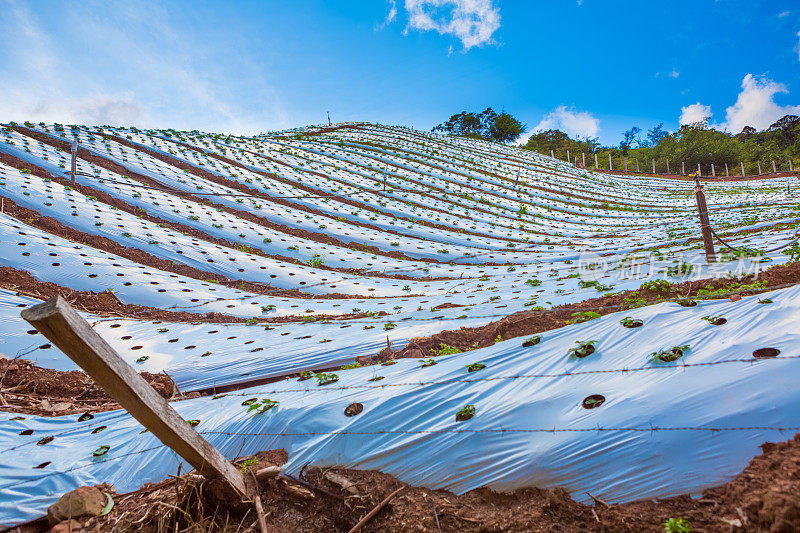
637, 165
583, 156
596, 166
759, 167
654, 166
790, 166
610, 167
72, 334
683, 168
773, 166
705, 226
74, 159
713, 172
667, 166
742, 163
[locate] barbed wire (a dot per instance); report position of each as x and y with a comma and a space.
469, 380
553, 430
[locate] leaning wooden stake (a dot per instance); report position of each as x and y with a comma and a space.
64, 327
705, 225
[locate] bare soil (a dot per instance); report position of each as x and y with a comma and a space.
28, 389
525, 323
107, 304
765, 497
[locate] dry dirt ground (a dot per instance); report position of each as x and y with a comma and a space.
765, 497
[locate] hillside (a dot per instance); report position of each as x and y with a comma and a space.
497, 318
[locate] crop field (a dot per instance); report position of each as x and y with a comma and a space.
455, 313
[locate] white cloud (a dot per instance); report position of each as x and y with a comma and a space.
755, 105
471, 21
694, 113
95, 109
161, 76
573, 123
390, 16
798, 47
674, 73
784, 14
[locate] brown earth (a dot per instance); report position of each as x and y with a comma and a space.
28, 389
530, 322
107, 304
765, 497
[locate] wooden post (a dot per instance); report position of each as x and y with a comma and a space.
610, 166
72, 334
705, 226
74, 159
713, 172
742, 163
726, 170
596, 166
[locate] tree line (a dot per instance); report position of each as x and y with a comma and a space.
692, 145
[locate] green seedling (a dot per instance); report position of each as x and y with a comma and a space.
670, 355
584, 349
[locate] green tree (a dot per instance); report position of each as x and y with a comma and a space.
486, 125
506, 128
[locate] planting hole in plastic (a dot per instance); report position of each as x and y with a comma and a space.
353, 409
766, 353
595, 400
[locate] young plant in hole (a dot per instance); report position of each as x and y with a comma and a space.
426, 362
765, 301
670, 355
261, 406
465, 413
715, 320
326, 378
474, 367
584, 349
629, 322
533, 341
686, 302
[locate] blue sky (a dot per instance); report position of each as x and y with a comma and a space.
590, 67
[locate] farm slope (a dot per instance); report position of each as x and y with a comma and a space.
228, 262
